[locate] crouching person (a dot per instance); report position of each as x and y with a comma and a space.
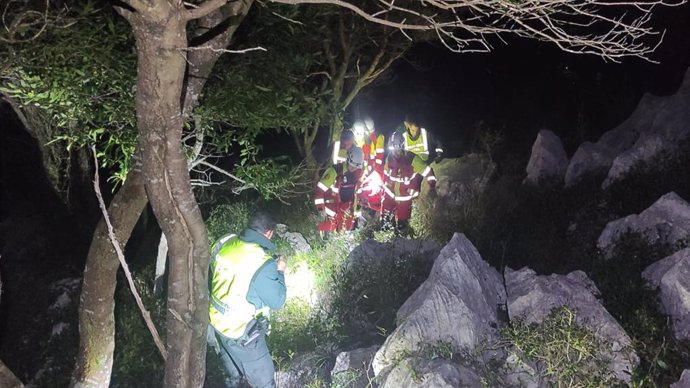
246, 281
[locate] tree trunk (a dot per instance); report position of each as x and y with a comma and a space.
94, 364
161, 43
96, 318
213, 31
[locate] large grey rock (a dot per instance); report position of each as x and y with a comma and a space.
590, 159
684, 381
461, 178
595, 159
533, 297
373, 253
548, 161
354, 368
456, 305
297, 242
303, 370
666, 221
8, 379
672, 276
422, 373
517, 372
664, 123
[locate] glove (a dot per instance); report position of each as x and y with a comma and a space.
432, 193
321, 216
439, 158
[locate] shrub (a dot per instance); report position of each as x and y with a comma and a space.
228, 218
625, 296
572, 356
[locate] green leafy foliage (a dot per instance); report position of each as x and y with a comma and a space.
572, 356
228, 218
357, 303
82, 75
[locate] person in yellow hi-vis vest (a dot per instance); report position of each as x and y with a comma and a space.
246, 280
419, 141
341, 148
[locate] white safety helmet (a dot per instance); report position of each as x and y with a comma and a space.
355, 157
369, 124
360, 129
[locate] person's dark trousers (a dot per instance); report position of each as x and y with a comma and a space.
252, 361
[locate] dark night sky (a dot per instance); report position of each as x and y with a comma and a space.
525, 86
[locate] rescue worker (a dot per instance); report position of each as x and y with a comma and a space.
403, 175
371, 143
370, 194
335, 193
246, 279
343, 146
419, 141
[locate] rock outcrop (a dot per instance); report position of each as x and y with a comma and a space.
353, 368
303, 370
374, 253
662, 129
460, 178
456, 305
297, 242
533, 297
8, 379
666, 221
422, 373
548, 162
672, 277
655, 129
684, 381
594, 160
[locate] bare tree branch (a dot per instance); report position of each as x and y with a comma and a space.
217, 50
607, 28
220, 170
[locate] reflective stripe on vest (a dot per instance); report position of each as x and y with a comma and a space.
232, 269
339, 155
419, 146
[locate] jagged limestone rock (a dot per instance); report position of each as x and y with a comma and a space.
666, 221
456, 305
297, 242
684, 381
460, 178
8, 379
533, 297
663, 126
672, 277
373, 253
548, 161
303, 369
354, 367
422, 373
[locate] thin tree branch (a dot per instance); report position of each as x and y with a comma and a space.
121, 257
217, 50
615, 29
220, 170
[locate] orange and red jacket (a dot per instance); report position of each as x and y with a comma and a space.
337, 185
403, 176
